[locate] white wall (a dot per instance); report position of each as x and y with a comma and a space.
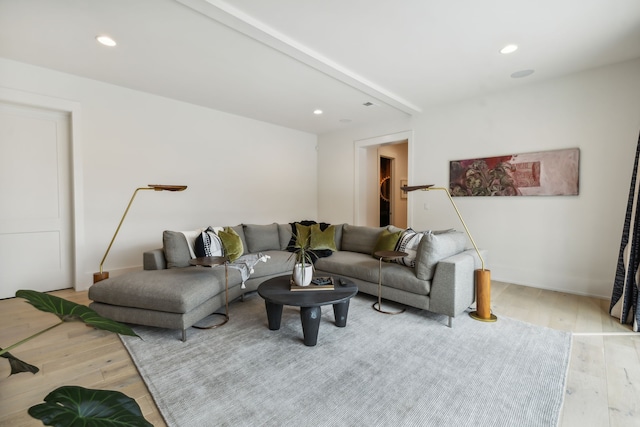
336, 173
564, 243
237, 169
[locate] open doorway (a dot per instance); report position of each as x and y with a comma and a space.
393, 159
374, 157
386, 178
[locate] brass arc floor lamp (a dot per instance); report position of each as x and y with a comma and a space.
105, 274
482, 276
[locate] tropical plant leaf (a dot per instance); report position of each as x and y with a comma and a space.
92, 318
18, 365
74, 406
70, 311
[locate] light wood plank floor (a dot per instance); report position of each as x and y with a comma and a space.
603, 387
70, 354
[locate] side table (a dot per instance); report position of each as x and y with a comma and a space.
212, 261
385, 255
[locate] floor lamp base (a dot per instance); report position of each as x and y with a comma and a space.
226, 319
483, 297
98, 277
476, 316
376, 307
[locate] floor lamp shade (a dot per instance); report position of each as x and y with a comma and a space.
101, 275
482, 276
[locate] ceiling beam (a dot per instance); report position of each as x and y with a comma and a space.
239, 21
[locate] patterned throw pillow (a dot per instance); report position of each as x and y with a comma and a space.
208, 244
408, 242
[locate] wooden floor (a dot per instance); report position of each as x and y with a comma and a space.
70, 354
603, 387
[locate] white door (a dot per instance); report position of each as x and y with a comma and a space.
35, 200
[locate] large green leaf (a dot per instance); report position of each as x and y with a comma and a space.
18, 365
74, 406
68, 311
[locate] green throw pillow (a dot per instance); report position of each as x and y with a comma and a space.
232, 243
303, 235
387, 241
323, 239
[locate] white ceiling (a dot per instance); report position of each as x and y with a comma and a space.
278, 60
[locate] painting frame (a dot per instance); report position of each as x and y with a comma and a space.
542, 173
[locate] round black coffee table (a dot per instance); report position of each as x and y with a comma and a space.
277, 293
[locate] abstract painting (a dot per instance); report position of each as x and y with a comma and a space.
545, 173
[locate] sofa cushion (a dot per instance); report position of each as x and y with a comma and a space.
364, 267
279, 262
323, 239
362, 239
233, 248
239, 229
261, 237
338, 236
408, 242
178, 290
178, 247
387, 241
303, 235
285, 235
434, 247
293, 226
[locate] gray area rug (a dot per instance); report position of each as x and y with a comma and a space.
409, 369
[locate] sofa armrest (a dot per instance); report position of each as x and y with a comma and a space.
453, 285
154, 260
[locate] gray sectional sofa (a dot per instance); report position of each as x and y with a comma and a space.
169, 293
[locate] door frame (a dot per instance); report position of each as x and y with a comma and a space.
72, 108
360, 148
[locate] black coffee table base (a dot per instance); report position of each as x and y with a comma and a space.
277, 293
310, 318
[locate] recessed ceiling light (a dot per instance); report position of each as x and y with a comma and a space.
106, 40
510, 48
317, 112
522, 73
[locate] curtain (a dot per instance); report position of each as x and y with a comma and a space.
624, 299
